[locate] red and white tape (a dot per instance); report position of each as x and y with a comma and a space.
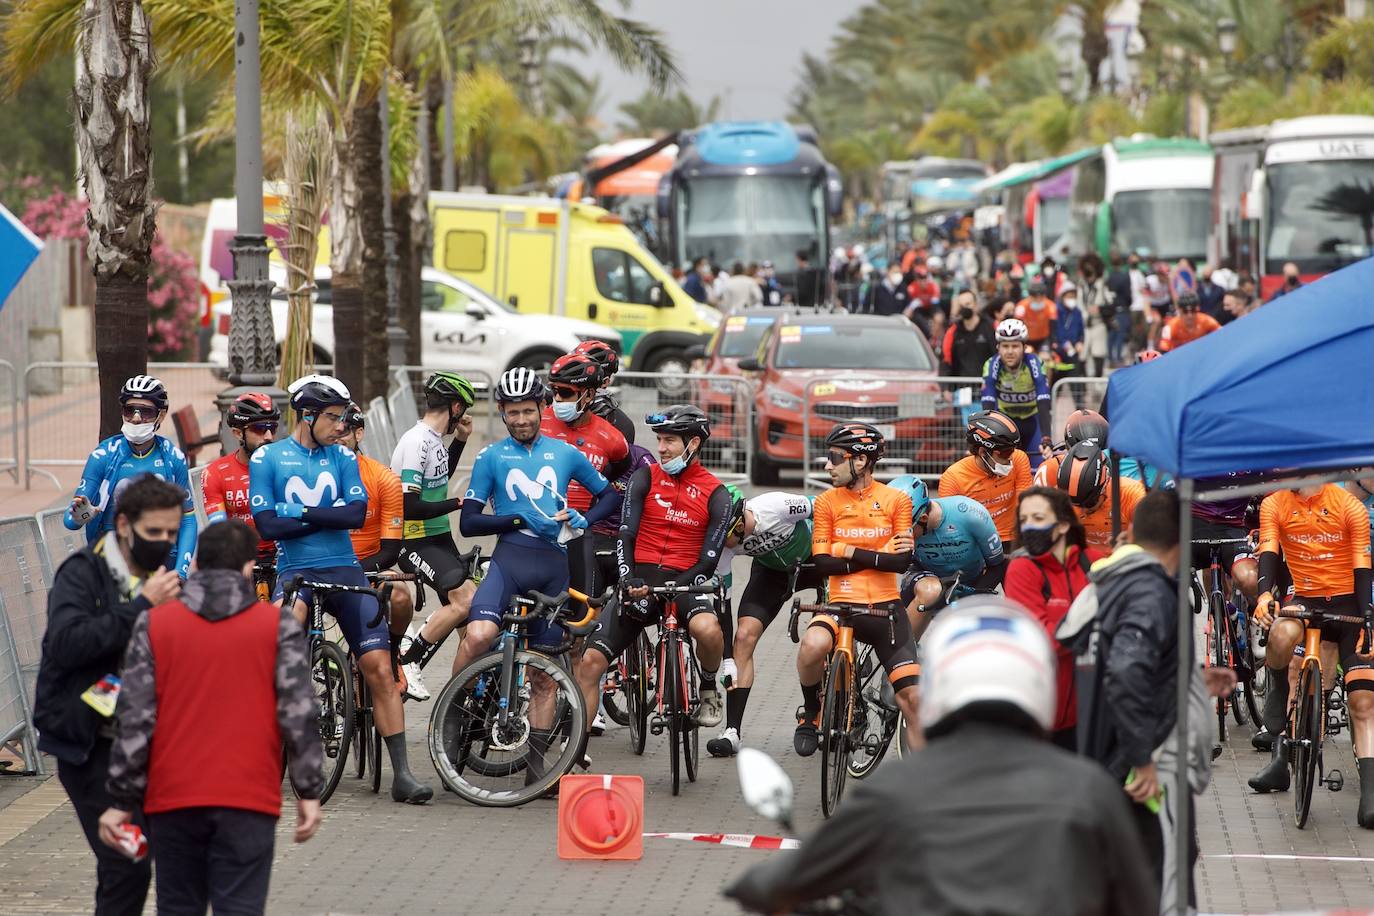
742, 840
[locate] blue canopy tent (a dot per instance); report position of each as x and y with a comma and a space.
1289, 387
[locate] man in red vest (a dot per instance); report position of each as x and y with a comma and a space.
215, 682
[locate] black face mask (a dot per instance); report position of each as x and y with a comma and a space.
148, 555
1039, 541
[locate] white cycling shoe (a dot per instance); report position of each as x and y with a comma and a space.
726, 745
599, 724
415, 684
712, 709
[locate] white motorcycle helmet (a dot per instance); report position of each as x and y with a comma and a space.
986, 649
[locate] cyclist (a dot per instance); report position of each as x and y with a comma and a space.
377, 544
774, 530
1323, 534
525, 477
253, 420
1226, 519
1082, 426
675, 518
603, 405
424, 465
132, 452
307, 494
993, 473
1085, 474
1014, 383
952, 536
1190, 324
861, 539
573, 379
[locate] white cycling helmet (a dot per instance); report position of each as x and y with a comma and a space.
986, 649
520, 384
1012, 329
146, 387
317, 392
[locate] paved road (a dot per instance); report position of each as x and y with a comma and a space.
375, 857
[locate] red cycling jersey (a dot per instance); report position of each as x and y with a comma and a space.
601, 442
224, 487
673, 526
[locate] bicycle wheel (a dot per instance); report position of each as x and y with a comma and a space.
691, 692
635, 686
1216, 651
613, 695
835, 711
1247, 672
333, 681
376, 756
1307, 742
670, 683
362, 721
874, 725
899, 743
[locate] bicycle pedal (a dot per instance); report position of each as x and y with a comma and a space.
1335, 780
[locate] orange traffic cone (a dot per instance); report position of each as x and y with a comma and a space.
600, 817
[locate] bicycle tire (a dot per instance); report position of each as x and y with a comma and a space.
691, 732
611, 701
636, 688
1217, 653
362, 721
866, 716
835, 710
899, 745
570, 728
333, 682
669, 683
1308, 727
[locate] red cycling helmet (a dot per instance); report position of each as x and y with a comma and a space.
576, 370
604, 355
1145, 356
252, 407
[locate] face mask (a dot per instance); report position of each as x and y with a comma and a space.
1038, 541
567, 411
148, 555
138, 433
894, 279
1070, 303
676, 466
1001, 470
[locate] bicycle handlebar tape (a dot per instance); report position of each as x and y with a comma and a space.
600, 817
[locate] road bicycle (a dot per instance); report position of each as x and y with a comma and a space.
512, 722
1228, 634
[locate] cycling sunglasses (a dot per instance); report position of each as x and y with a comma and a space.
837, 457
565, 391
264, 428
133, 411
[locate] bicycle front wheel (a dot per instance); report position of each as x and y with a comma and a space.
673, 705
1308, 724
333, 681
1217, 651
835, 715
691, 692
362, 722
874, 725
523, 754
635, 686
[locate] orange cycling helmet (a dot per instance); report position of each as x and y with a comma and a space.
1083, 474
1085, 426
993, 430
1145, 356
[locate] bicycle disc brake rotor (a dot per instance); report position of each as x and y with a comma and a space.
512, 735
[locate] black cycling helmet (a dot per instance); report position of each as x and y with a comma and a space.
353, 417
1083, 474
857, 439
313, 393
685, 420
1085, 426
252, 407
992, 429
451, 387
145, 387
1188, 302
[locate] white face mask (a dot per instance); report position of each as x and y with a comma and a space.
1070, 303
1001, 470
894, 279
567, 411
138, 433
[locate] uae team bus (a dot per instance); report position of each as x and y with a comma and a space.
1298, 190
749, 191
940, 185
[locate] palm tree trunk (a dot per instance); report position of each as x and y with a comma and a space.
408, 277
308, 163
114, 141
345, 263
367, 152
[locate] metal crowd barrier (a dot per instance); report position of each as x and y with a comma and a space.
727, 399
379, 439
922, 419
9, 390
24, 580
1070, 394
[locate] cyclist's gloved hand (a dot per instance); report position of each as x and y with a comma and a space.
546, 528
576, 519
290, 510
633, 583
1264, 610
727, 674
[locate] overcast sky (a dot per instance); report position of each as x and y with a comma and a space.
745, 51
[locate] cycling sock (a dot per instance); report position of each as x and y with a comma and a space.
420, 651
1276, 700
708, 679
735, 701
811, 698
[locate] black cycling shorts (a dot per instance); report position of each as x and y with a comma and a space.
607, 573
617, 632
435, 560
890, 637
1345, 635
767, 591
1228, 553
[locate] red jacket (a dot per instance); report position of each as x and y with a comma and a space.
1046, 589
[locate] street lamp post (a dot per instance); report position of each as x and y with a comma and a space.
1065, 80
395, 335
1226, 36
252, 339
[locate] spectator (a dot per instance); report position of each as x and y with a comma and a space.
697, 283
1044, 577
1054, 278
718, 278
963, 265
1119, 293
1069, 334
216, 661
1210, 293
1291, 281
741, 289
1161, 295
998, 822
1098, 314
888, 297
969, 342
1140, 305
810, 282
95, 598
1038, 312
924, 289
769, 285
1236, 304
1247, 285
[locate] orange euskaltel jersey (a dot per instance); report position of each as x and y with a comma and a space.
385, 508
1323, 539
1097, 524
968, 477
866, 519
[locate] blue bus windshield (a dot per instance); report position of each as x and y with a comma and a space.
750, 218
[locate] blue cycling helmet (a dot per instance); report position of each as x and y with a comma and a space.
914, 487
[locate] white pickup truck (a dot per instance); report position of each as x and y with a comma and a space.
465, 329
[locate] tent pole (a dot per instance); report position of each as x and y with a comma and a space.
1116, 498
1182, 790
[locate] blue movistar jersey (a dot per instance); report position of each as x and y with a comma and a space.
531, 482
288, 472
112, 466
966, 540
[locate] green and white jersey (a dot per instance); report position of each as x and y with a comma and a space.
782, 530
421, 461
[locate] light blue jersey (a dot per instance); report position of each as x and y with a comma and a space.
111, 468
288, 472
966, 540
531, 482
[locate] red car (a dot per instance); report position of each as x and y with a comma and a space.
873, 368
738, 337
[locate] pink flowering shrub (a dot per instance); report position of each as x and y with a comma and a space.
173, 280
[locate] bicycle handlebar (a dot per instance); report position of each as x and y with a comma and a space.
844, 610
1300, 612
709, 587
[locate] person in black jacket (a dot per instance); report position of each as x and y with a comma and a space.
95, 598
988, 817
970, 341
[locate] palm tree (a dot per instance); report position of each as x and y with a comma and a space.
656, 114
307, 165
1354, 199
